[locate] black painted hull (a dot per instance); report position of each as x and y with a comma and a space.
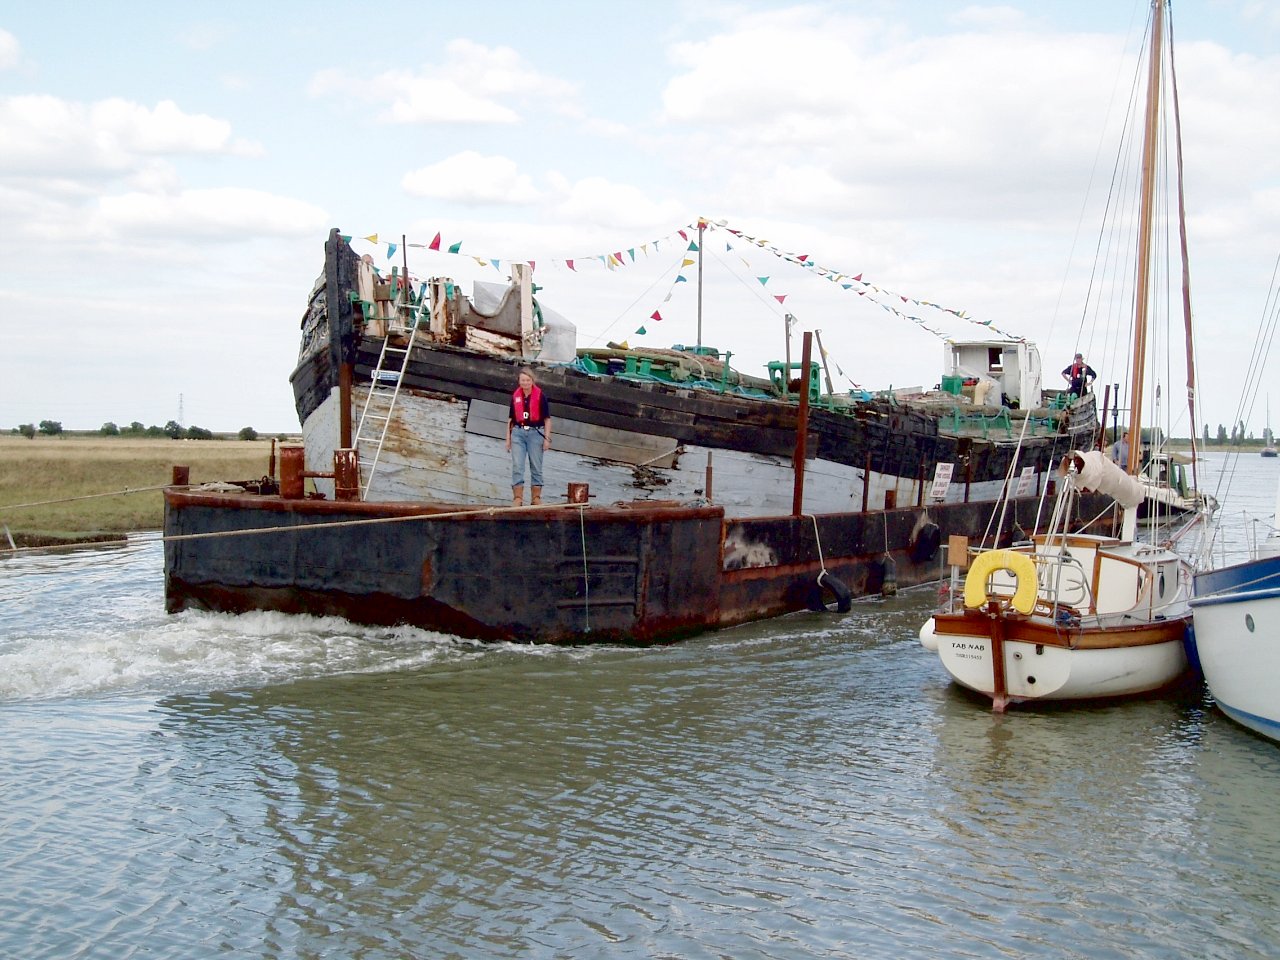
637, 574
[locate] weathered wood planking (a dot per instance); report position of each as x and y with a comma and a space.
584, 439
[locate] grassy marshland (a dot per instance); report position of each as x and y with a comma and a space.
58, 467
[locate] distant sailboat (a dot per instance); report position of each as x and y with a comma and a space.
1268, 438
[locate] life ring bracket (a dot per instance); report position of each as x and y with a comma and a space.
977, 593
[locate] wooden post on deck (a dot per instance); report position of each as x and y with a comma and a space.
345, 374
292, 464
346, 475
866, 482
802, 426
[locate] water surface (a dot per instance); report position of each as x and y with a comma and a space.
273, 786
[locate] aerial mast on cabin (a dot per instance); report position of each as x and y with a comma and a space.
701, 227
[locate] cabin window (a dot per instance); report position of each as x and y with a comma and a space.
995, 359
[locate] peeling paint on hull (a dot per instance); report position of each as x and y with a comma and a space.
628, 573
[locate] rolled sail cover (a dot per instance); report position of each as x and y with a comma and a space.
1095, 471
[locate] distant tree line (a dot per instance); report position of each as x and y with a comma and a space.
1237, 436
173, 430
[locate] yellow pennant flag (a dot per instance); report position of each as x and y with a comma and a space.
372, 238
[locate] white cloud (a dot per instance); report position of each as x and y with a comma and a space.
601, 202
472, 178
473, 85
989, 124
991, 18
41, 134
10, 52
228, 213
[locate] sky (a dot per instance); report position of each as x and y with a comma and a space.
169, 173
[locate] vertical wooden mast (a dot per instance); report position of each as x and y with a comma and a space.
1145, 228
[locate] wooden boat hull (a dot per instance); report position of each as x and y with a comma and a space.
632, 438
1043, 661
1236, 612
634, 573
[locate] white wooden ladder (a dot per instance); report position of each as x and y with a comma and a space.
385, 381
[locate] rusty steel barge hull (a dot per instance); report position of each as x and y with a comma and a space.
634, 573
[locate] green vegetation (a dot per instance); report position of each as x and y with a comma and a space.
57, 467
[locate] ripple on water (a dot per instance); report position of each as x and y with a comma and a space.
292, 786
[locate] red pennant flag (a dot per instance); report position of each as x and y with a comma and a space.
434, 244
683, 235
569, 264
780, 298
803, 257
655, 315
858, 278
532, 266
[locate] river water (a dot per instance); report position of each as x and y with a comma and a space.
273, 786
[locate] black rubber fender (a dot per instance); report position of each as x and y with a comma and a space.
825, 585
925, 546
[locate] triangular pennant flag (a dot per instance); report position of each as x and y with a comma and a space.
372, 238
687, 262
632, 253
456, 248
346, 237
569, 264
763, 280
858, 278
532, 266
683, 235
779, 298
693, 245
803, 257
682, 279
434, 244
641, 331
495, 265
391, 250
655, 315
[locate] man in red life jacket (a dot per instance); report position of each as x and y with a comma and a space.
528, 436
1079, 375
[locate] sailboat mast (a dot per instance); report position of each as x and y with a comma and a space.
1145, 229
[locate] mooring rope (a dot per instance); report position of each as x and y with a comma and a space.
335, 524
822, 564
87, 496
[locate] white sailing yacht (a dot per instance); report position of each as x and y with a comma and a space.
1069, 615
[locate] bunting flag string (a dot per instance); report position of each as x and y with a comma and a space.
848, 283
889, 300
